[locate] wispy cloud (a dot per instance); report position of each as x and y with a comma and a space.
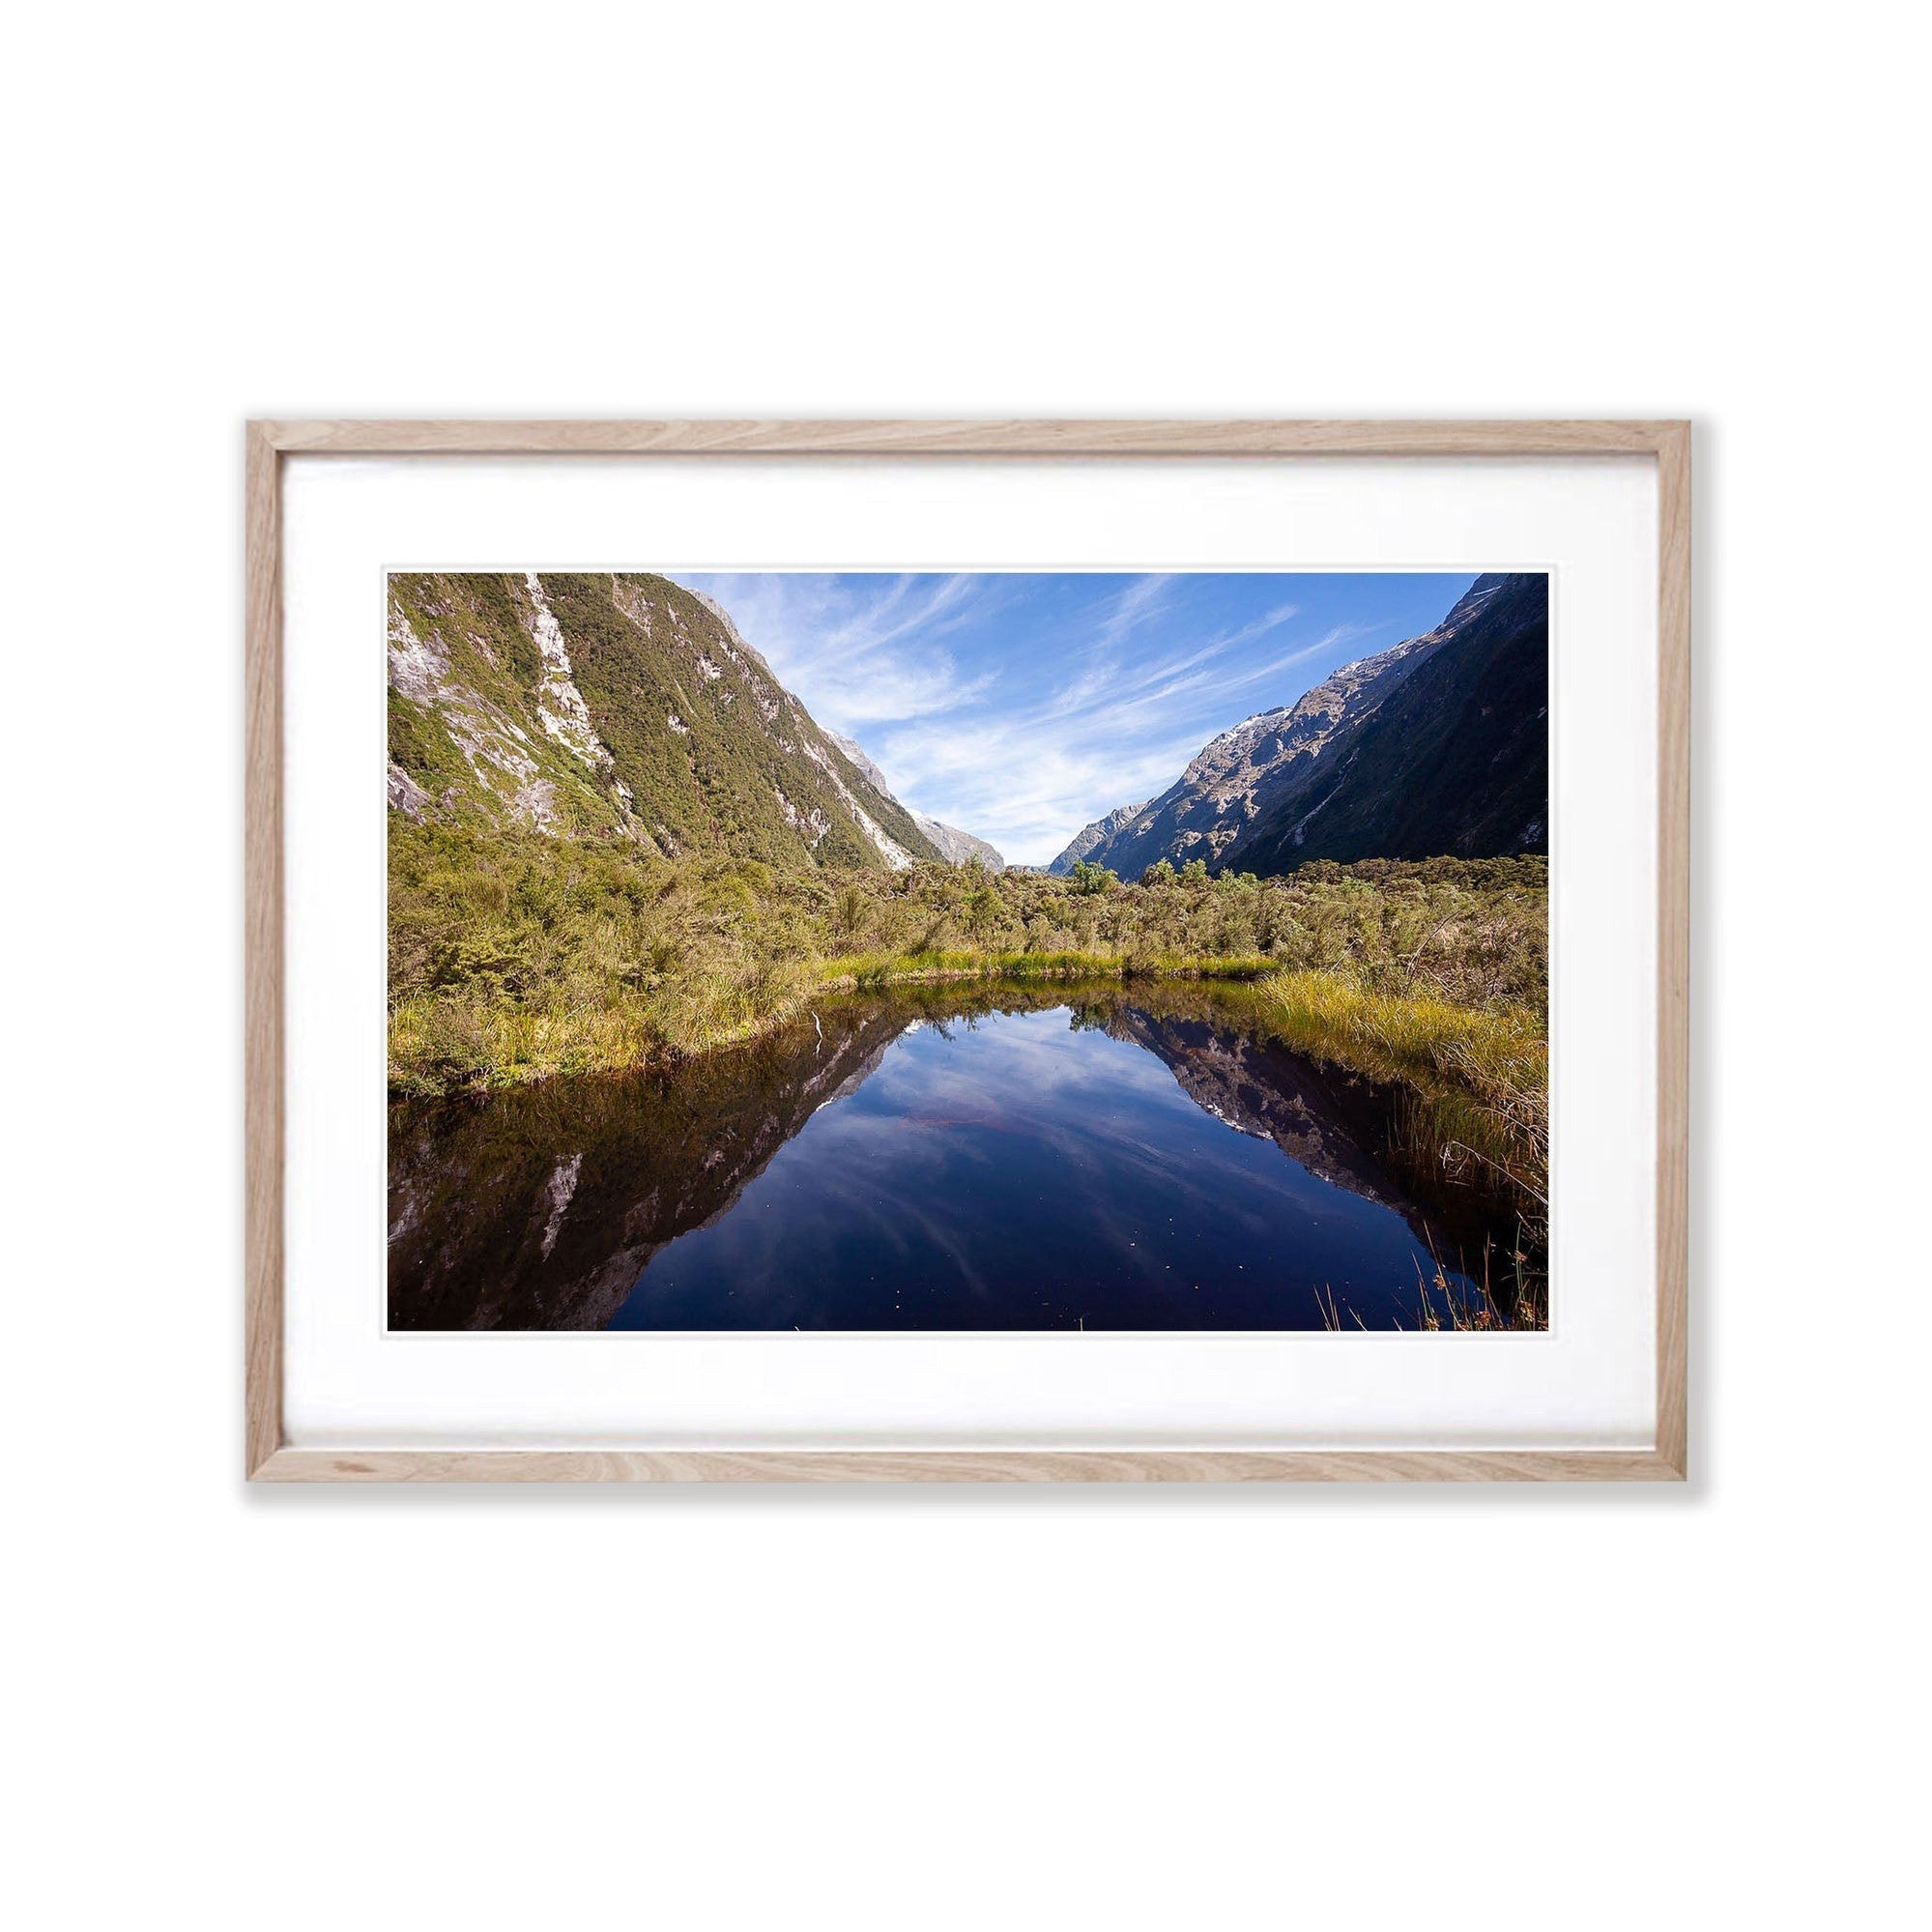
866, 659
1159, 680
1136, 602
1022, 707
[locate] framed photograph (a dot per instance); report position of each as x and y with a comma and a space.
968, 951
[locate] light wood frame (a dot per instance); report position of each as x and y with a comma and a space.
269, 1459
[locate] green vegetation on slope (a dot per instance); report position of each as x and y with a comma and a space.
697, 747
463, 722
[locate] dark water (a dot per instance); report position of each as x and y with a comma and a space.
1006, 1158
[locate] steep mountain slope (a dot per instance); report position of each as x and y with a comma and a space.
1087, 841
1454, 762
960, 847
955, 846
1232, 778
1259, 796
620, 705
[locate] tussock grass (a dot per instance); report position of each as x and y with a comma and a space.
1473, 1108
1497, 1053
1481, 1079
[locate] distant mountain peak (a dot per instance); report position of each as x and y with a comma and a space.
1098, 833
955, 846
856, 752
1251, 796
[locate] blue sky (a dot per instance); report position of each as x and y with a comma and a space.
1022, 707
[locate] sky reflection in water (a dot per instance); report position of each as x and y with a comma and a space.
1023, 1171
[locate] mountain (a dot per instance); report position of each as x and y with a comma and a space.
1234, 776
955, 846
960, 847
1436, 747
856, 752
620, 705
1085, 843
1453, 761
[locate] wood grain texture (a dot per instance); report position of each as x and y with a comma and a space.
269, 1459
1673, 947
939, 437
1018, 1465
263, 866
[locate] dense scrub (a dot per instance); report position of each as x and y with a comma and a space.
512, 957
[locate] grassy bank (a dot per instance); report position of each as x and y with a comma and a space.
1474, 1087
437, 1043
1477, 1082
865, 971
512, 959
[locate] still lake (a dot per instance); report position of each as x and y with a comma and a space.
939, 1158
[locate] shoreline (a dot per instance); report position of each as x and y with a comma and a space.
1479, 1077
845, 974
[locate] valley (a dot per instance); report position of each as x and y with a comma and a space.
621, 850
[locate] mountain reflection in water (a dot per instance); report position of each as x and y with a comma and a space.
932, 1158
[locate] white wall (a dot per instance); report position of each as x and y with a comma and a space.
1491, 1708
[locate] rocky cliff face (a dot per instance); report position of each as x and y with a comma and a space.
960, 847
1451, 761
1089, 840
1433, 748
617, 706
955, 846
1232, 779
